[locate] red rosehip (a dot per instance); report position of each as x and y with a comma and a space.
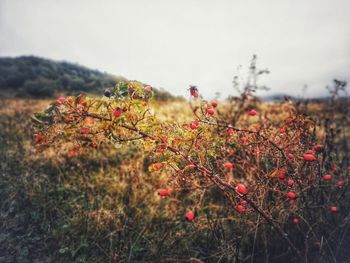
295, 220
327, 177
231, 151
252, 112
39, 138
244, 202
333, 209
210, 111
117, 112
290, 182
229, 165
242, 189
340, 183
230, 131
291, 195
84, 131
163, 192
318, 148
240, 208
194, 125
290, 156
309, 157
282, 175
194, 91
334, 168
310, 152
189, 216
61, 100
244, 140
348, 168
214, 104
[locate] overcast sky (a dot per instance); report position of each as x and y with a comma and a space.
173, 44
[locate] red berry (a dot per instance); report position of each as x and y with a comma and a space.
242, 189
194, 125
282, 175
194, 91
210, 111
295, 220
244, 202
189, 216
117, 112
61, 100
327, 177
252, 112
290, 156
84, 130
214, 104
244, 140
39, 138
318, 148
309, 157
291, 195
163, 192
348, 168
231, 151
230, 131
333, 209
240, 208
334, 168
340, 183
310, 152
290, 182
229, 165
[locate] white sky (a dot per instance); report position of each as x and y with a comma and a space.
172, 44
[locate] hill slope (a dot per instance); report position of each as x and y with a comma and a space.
37, 77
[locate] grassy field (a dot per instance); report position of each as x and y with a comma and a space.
103, 206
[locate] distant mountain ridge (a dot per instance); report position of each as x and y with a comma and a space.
31, 76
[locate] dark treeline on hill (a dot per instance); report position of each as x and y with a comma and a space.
30, 76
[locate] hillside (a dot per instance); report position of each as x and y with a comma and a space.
30, 76
34, 77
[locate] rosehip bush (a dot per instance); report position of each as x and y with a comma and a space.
271, 166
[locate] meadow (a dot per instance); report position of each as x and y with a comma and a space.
105, 203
